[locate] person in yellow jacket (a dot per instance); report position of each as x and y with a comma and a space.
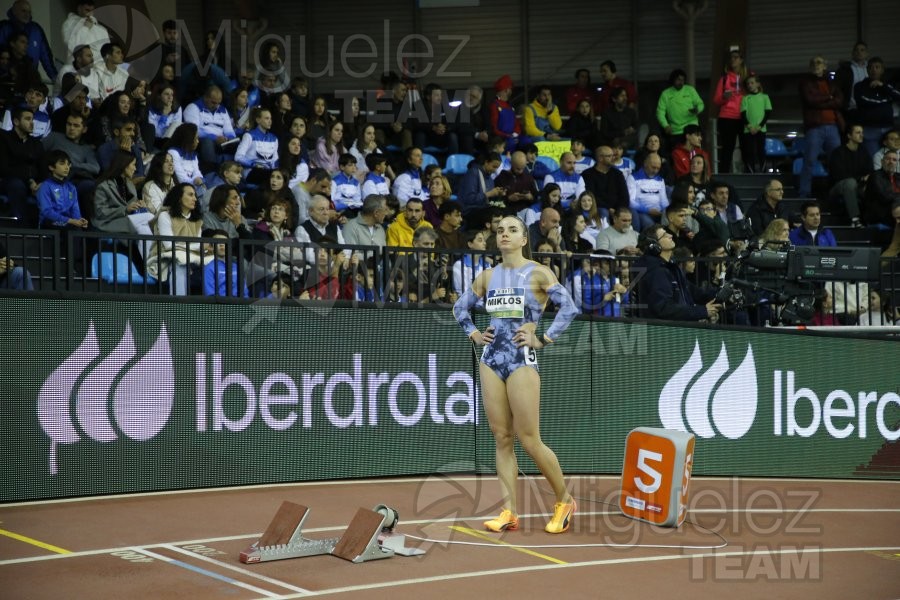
400, 232
542, 119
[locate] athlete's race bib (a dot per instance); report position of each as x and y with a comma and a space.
506, 303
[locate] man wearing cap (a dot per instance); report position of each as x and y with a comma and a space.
502, 114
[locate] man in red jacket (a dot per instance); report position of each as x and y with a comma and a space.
685, 153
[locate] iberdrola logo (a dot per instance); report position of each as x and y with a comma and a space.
113, 395
704, 402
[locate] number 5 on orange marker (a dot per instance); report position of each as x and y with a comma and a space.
656, 474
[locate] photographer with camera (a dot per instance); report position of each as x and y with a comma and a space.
663, 289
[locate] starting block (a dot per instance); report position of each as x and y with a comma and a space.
370, 536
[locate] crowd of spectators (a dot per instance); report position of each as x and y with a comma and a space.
310, 193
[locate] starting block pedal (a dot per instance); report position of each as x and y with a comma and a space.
283, 538
370, 536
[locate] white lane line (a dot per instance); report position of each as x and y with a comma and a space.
210, 574
435, 478
243, 571
544, 567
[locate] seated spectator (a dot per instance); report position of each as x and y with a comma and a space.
582, 91
281, 288
220, 275
890, 141
766, 208
319, 122
85, 167
290, 157
647, 191
375, 181
72, 100
57, 196
160, 181
883, 192
473, 123
776, 235
596, 290
698, 177
466, 269
256, 201
619, 235
329, 149
621, 162
547, 228
367, 228
582, 124
435, 127
36, 101
547, 253
448, 231
476, 188
519, 185
213, 127
116, 199
620, 121
439, 191
582, 161
824, 311
124, 133
164, 115
225, 213
428, 279
877, 313
183, 149
400, 232
676, 226
728, 211
711, 228
318, 182
318, 226
257, 151
229, 172
573, 232
281, 107
570, 182
685, 153
654, 145
538, 170
181, 263
611, 81
811, 232
550, 197
396, 130
13, 277
542, 118
331, 276
276, 256
849, 167
20, 156
82, 30
345, 192
364, 146
606, 183
239, 110
108, 73
409, 183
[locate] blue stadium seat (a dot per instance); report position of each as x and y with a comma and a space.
428, 159
776, 148
458, 164
550, 162
114, 267
798, 146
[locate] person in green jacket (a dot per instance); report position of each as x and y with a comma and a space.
678, 105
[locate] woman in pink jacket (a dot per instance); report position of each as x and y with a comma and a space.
728, 96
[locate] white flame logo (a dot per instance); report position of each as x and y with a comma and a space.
731, 402
141, 403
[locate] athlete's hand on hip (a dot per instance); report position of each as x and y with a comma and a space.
525, 336
483, 338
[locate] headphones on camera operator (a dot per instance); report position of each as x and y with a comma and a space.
647, 243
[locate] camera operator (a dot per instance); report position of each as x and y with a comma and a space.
663, 289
